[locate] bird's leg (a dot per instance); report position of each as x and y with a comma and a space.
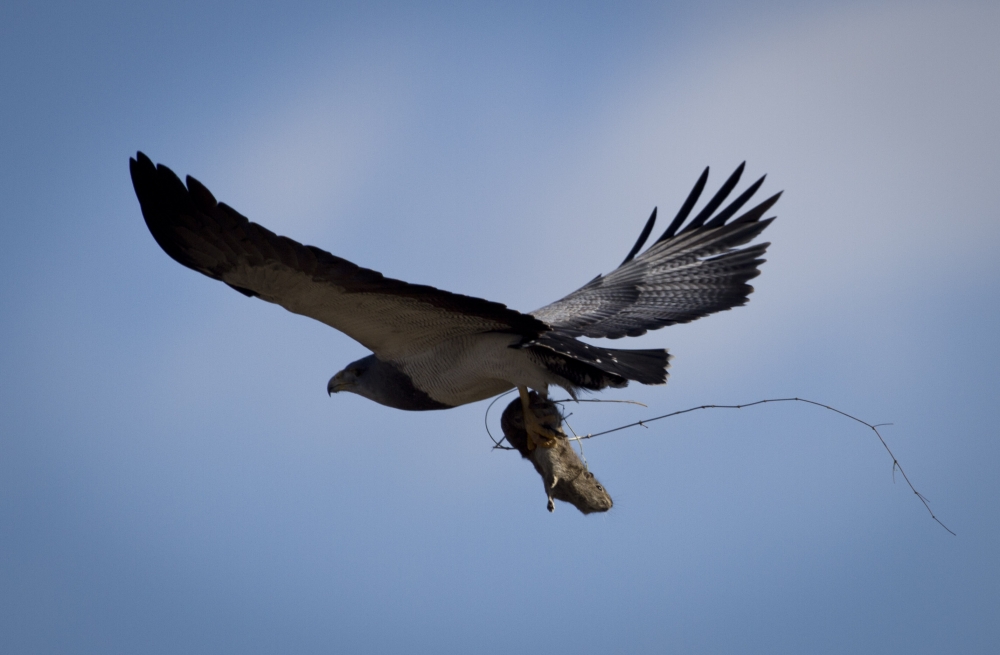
539, 434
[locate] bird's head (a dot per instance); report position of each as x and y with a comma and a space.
382, 382
351, 378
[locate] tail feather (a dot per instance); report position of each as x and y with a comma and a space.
593, 367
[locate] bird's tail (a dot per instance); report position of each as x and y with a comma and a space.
594, 367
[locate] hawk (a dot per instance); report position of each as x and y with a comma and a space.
432, 349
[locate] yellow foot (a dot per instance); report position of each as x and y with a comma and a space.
539, 434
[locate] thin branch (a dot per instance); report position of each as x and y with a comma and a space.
874, 428
579, 444
497, 445
598, 400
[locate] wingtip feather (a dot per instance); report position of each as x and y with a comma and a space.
642, 238
686, 208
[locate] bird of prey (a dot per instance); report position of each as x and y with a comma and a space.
432, 349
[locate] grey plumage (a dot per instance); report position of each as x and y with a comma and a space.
681, 277
433, 349
384, 383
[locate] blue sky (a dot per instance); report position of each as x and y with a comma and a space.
174, 477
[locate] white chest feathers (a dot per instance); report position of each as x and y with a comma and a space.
471, 368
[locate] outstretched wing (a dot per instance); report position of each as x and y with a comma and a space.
688, 273
391, 317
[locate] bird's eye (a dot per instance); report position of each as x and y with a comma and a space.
600, 488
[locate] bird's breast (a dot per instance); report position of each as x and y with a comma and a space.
472, 368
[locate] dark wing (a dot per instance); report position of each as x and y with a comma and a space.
688, 273
392, 318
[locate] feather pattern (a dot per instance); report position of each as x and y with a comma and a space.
437, 349
391, 317
686, 274
595, 367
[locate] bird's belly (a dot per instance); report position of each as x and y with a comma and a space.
467, 369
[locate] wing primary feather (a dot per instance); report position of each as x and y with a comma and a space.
716, 200
733, 207
686, 208
216, 240
692, 271
642, 238
758, 211
201, 195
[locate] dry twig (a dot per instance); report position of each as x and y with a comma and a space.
874, 428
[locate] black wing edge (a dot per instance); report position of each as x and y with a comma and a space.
707, 218
173, 213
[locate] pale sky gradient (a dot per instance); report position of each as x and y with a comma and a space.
174, 477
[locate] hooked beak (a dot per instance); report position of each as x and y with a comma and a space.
338, 382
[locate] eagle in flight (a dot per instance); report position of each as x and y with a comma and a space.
432, 349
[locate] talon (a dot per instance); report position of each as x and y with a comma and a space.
539, 434
538, 440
